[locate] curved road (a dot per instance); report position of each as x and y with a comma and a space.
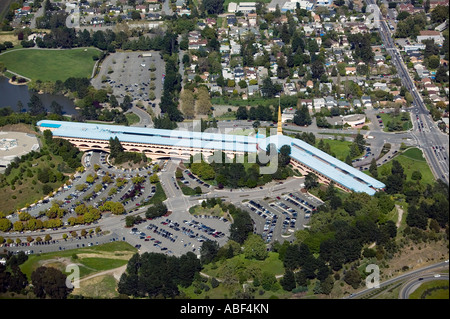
407, 276
414, 283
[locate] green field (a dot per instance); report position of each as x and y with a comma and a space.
50, 65
400, 122
411, 160
341, 149
436, 289
271, 264
89, 259
233, 272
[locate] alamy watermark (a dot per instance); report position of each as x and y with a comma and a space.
373, 279
373, 19
212, 147
73, 279
73, 19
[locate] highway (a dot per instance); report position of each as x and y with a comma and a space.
410, 277
414, 283
430, 136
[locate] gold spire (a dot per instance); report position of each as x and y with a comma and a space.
280, 125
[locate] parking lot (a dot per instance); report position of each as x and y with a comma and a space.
278, 219
130, 194
177, 234
129, 73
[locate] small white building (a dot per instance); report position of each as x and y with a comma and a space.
430, 35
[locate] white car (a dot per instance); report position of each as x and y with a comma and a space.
437, 276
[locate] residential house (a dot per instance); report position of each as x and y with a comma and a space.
227, 74
435, 3
239, 73
210, 22
425, 81
318, 104
408, 7
357, 103
142, 8
308, 103
344, 104
431, 88
380, 86
330, 102
252, 90
180, 3
252, 19
290, 89
366, 101
430, 35
153, 7
350, 70
288, 114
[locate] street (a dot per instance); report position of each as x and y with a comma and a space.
425, 139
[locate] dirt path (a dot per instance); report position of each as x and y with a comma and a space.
116, 272
400, 215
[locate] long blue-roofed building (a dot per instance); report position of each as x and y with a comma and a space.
160, 143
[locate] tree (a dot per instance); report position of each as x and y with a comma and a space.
5, 224
203, 104
255, 248
353, 278
360, 142
56, 108
213, 6
288, 280
49, 282
317, 69
268, 88
241, 113
311, 181
187, 103
241, 227
158, 210
373, 168
115, 147
208, 251
302, 116
427, 6
35, 106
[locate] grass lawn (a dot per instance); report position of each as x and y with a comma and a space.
89, 259
341, 149
435, 290
27, 188
271, 264
159, 196
132, 118
242, 268
412, 160
402, 122
50, 65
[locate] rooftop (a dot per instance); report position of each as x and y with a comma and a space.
301, 151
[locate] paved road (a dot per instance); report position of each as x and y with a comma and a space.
406, 276
415, 283
430, 136
145, 120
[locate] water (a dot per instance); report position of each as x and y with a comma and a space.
11, 94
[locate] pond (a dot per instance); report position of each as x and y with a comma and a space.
11, 94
